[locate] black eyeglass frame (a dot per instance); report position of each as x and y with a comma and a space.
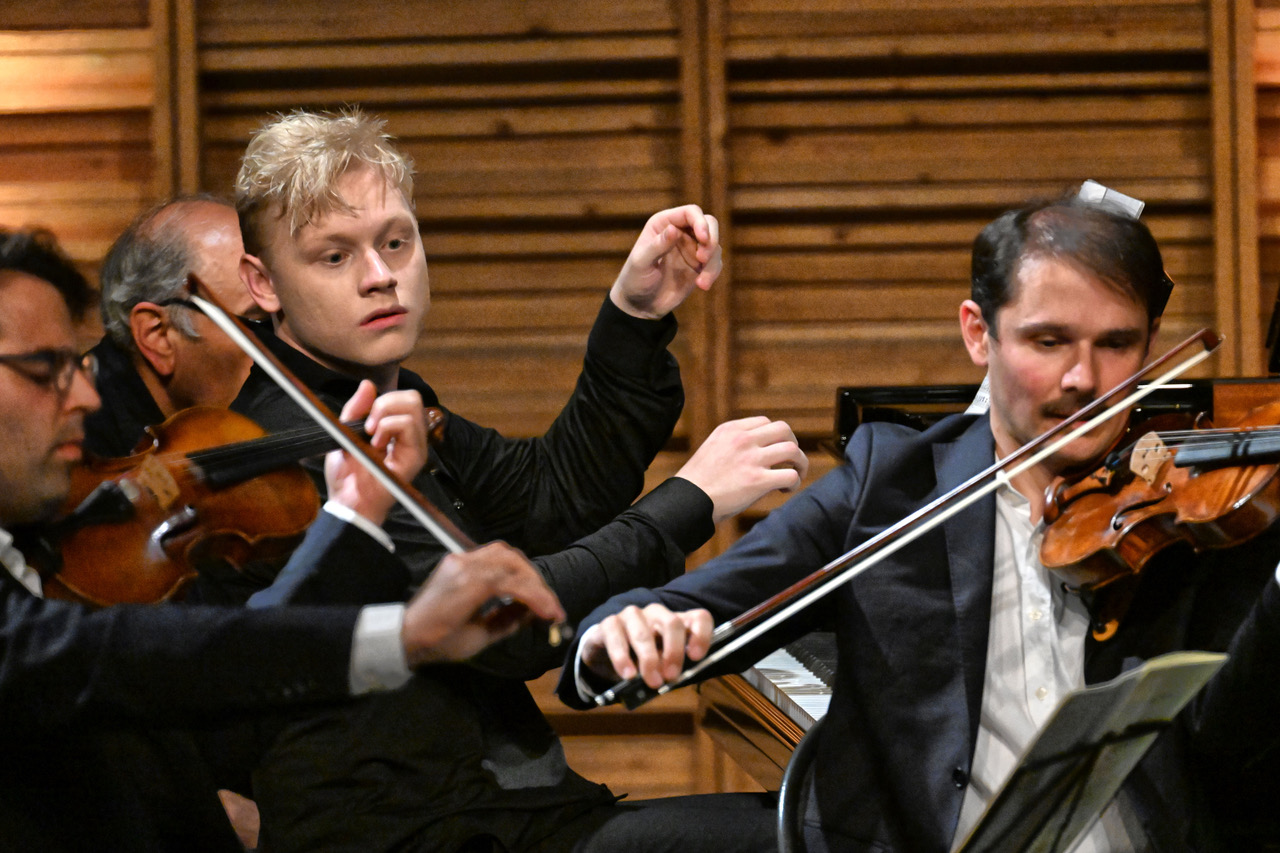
53, 368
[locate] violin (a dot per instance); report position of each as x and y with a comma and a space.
1208, 488
207, 485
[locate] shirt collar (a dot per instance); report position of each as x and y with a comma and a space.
16, 564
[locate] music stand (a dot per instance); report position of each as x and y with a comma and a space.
1084, 753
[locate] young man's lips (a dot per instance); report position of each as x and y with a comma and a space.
387, 316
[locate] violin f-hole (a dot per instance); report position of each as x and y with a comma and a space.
175, 524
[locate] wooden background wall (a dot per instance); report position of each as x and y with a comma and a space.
852, 149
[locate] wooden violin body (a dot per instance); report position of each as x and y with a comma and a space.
141, 524
1204, 490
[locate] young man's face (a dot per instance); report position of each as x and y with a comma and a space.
41, 428
348, 289
1064, 339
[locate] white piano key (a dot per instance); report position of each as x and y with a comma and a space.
791, 686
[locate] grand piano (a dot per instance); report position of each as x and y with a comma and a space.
759, 716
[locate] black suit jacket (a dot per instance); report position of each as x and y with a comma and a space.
895, 751
81, 692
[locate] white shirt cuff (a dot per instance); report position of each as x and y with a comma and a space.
585, 693
377, 652
350, 516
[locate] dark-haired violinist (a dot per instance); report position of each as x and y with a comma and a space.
953, 651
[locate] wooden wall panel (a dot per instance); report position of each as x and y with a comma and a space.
1267, 75
75, 140
869, 143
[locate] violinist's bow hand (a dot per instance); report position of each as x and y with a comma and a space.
652, 643
452, 617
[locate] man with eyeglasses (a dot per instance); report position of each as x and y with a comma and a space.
80, 689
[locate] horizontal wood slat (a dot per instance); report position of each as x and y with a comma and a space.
401, 56
249, 21
75, 71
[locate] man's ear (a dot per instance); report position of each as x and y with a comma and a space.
973, 328
258, 281
153, 336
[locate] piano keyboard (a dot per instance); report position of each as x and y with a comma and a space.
791, 686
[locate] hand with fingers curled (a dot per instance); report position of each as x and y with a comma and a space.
677, 250
397, 425
653, 642
743, 460
451, 617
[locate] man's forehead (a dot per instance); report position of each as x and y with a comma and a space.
359, 195
33, 310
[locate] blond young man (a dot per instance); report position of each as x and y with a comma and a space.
334, 256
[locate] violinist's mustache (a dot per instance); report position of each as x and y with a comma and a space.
1065, 408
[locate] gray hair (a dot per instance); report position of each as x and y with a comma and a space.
147, 264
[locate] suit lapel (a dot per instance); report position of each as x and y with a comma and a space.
970, 557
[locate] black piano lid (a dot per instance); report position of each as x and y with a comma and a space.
920, 406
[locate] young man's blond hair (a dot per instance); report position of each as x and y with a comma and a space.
292, 167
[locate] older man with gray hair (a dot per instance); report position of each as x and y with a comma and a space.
160, 356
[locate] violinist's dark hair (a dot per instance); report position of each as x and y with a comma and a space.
36, 252
1111, 245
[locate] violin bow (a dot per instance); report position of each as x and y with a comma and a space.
423, 511
730, 636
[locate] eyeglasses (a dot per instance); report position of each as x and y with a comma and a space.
53, 368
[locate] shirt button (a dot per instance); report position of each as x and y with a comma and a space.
959, 777
458, 504
1042, 692
1035, 615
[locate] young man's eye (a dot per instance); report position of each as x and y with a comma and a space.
332, 258
396, 244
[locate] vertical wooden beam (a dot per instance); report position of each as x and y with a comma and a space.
717, 193
1253, 356
703, 117
714, 385
162, 148
1226, 259
695, 313
187, 94
175, 117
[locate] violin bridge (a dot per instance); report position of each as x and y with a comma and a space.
1149, 453
155, 478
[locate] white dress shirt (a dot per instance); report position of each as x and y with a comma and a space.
1035, 656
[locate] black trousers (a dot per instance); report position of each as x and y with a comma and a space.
712, 823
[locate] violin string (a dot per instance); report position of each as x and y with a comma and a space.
230, 456
1207, 439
